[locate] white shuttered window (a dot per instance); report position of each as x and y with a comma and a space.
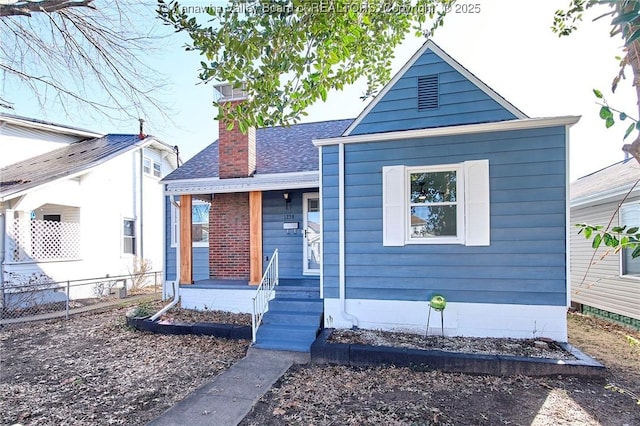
444, 204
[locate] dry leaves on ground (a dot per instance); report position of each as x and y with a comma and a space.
94, 370
330, 395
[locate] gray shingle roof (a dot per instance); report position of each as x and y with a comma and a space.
278, 150
616, 176
64, 161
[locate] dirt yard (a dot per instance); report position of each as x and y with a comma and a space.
94, 370
323, 395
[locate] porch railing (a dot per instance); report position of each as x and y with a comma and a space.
264, 293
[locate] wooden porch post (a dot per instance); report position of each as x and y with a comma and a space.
186, 255
255, 237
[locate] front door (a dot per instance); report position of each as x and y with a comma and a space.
311, 233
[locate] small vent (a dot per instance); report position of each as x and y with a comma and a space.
428, 93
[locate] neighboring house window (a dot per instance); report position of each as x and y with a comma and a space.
146, 165
129, 236
199, 224
151, 167
444, 204
630, 216
156, 169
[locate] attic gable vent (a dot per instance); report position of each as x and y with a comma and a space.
428, 92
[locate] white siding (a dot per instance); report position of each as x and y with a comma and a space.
18, 143
603, 287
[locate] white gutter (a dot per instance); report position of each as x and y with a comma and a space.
464, 129
341, 240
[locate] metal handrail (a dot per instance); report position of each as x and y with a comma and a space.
269, 281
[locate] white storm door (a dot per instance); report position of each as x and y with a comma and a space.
311, 234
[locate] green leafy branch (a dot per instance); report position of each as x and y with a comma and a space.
607, 114
286, 54
617, 238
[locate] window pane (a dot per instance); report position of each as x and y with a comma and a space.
129, 245
146, 165
200, 213
200, 233
433, 221
156, 169
433, 187
128, 228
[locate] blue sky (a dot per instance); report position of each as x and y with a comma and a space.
508, 45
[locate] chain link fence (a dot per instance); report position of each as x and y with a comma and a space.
29, 297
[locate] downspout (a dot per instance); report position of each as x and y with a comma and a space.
176, 283
341, 239
142, 204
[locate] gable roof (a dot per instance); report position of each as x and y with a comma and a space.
33, 123
278, 150
430, 45
66, 161
606, 184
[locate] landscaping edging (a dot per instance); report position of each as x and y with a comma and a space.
226, 331
323, 352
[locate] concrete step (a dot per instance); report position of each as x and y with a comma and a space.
285, 317
286, 332
281, 345
296, 305
297, 293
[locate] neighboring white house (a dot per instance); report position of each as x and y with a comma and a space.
606, 283
75, 204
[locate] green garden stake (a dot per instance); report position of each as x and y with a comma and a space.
438, 303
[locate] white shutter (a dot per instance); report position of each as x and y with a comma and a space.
393, 205
476, 203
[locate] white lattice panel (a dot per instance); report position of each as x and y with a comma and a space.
45, 240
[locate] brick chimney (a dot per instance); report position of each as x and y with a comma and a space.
236, 151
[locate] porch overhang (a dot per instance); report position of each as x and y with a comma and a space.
265, 182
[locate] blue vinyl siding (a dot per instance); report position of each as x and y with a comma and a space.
460, 102
200, 254
525, 263
289, 244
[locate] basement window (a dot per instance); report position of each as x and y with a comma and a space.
428, 92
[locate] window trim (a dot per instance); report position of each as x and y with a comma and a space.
460, 204
174, 225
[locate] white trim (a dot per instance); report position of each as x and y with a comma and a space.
305, 207
430, 45
49, 127
626, 206
567, 210
321, 224
464, 129
267, 182
460, 319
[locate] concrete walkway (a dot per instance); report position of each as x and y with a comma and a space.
229, 397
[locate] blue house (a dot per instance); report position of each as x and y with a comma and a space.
439, 187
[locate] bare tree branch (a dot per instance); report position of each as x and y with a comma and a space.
25, 7
85, 53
